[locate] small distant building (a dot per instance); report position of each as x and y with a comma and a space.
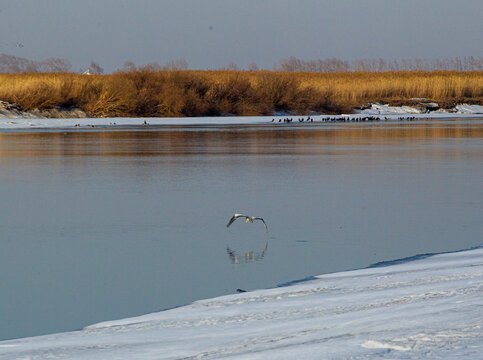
93, 69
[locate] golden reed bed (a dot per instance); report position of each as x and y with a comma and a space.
201, 93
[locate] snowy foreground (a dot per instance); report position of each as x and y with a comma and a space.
16, 120
427, 308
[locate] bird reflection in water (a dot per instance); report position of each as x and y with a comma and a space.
249, 256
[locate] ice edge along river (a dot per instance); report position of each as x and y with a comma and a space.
419, 308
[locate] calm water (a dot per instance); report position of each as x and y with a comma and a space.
106, 224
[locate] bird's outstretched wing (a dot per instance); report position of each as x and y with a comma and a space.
234, 217
264, 223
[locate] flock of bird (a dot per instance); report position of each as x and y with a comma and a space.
289, 120
145, 123
311, 119
88, 125
343, 119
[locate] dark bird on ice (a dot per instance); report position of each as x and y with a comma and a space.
248, 219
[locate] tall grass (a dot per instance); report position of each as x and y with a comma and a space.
199, 93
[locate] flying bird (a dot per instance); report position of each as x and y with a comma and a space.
248, 219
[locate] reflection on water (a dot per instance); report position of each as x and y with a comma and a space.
229, 140
98, 225
248, 256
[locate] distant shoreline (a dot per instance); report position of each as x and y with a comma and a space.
13, 111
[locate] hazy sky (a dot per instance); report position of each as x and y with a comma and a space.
212, 33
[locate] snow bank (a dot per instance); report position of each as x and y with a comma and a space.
426, 308
12, 111
469, 109
379, 109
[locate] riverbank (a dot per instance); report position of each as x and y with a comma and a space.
145, 93
425, 306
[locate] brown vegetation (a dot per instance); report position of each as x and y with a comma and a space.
144, 92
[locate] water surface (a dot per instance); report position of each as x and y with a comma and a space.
111, 223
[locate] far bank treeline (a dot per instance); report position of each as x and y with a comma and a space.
146, 93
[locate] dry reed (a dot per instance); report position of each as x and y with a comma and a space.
202, 93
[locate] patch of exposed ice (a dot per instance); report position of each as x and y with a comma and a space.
89, 123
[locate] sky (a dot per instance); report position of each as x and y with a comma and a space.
210, 34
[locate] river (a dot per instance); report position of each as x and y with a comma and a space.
101, 224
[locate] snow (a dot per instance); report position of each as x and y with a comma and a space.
420, 308
469, 109
379, 109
